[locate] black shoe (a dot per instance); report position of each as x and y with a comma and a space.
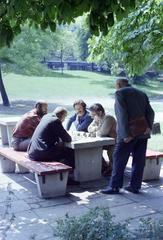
72, 182
130, 189
110, 190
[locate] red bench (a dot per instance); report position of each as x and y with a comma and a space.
51, 177
152, 165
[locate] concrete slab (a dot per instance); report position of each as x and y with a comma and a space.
50, 214
6, 196
83, 196
27, 225
26, 216
146, 193
108, 201
55, 202
155, 203
132, 210
12, 207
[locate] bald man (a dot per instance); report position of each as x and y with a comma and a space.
134, 122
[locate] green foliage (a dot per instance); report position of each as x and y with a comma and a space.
32, 45
97, 224
49, 13
136, 40
149, 229
83, 34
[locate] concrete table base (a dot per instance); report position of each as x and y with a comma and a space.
88, 164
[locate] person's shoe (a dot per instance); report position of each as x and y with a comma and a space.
130, 189
72, 182
110, 190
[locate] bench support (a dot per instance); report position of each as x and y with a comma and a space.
6, 165
51, 185
21, 169
152, 168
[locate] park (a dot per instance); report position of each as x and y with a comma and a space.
58, 53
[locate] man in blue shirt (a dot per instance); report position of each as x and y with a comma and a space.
81, 119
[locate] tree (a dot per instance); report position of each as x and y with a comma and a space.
136, 40
83, 34
49, 13
2, 87
33, 45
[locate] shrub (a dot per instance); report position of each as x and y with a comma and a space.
97, 224
150, 230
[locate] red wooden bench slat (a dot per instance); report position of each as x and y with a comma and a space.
41, 168
153, 154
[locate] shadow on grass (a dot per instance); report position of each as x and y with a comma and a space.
20, 107
105, 83
153, 89
59, 75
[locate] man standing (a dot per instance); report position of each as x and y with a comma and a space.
134, 122
26, 125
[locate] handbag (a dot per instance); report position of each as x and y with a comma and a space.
138, 126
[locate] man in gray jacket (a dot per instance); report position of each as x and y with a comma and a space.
131, 105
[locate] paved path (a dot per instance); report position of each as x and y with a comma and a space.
24, 216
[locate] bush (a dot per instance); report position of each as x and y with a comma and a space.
98, 224
150, 230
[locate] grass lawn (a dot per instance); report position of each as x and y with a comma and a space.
73, 83
78, 84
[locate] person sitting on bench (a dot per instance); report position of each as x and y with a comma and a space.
25, 127
103, 125
81, 119
46, 145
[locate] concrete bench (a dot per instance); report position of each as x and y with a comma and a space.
152, 165
51, 177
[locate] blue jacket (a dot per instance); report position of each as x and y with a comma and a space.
81, 123
129, 104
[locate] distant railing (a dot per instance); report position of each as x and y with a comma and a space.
73, 65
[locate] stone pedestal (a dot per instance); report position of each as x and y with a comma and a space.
152, 168
52, 185
88, 163
6, 165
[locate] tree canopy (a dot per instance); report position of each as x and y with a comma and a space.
48, 13
32, 45
136, 41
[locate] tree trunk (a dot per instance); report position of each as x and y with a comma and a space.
3, 91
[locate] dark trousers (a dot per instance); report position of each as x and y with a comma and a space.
57, 153
121, 154
20, 144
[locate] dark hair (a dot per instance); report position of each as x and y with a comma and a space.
80, 102
39, 104
123, 81
38, 107
97, 107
